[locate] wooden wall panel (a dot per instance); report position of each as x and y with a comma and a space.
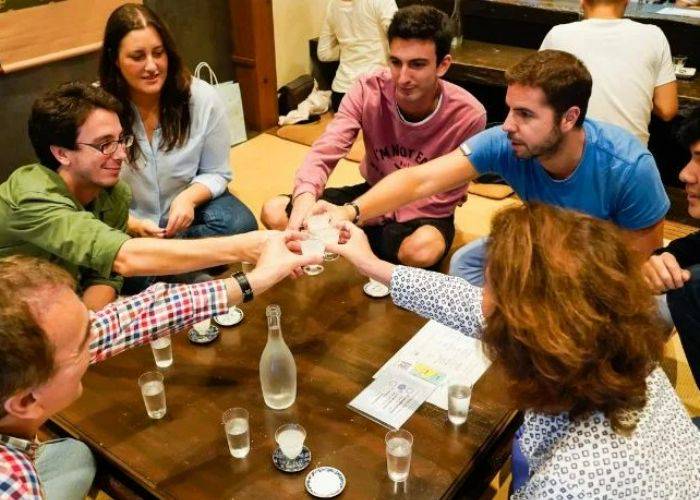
253, 58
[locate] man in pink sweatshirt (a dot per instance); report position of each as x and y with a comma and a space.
408, 116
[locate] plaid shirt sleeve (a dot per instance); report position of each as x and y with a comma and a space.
159, 309
18, 478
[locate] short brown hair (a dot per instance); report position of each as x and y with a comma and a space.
574, 324
26, 355
564, 80
57, 115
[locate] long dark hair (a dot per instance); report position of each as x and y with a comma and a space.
174, 112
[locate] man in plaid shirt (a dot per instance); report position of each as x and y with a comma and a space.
48, 338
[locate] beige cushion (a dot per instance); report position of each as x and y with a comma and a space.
308, 133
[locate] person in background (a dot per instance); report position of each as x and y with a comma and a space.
693, 4
178, 169
630, 62
548, 151
566, 312
674, 270
408, 115
71, 208
354, 33
49, 338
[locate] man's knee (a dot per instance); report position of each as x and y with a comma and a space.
273, 214
424, 248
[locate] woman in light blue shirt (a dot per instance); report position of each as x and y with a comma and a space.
179, 169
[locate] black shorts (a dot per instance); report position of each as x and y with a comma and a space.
386, 239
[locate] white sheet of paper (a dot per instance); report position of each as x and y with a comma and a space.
675, 11
442, 348
392, 398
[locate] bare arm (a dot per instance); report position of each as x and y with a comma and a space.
95, 297
156, 257
665, 101
415, 183
646, 240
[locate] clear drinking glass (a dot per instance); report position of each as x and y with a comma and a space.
458, 398
202, 327
313, 246
153, 392
317, 223
162, 351
399, 446
330, 236
290, 438
236, 426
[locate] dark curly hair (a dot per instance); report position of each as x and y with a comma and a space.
175, 116
57, 115
423, 23
574, 323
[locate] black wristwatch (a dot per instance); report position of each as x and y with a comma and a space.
355, 219
245, 286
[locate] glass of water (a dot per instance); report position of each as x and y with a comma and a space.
313, 246
458, 398
330, 236
290, 438
153, 392
399, 446
237, 430
316, 223
162, 351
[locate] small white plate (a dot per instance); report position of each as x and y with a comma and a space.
232, 317
376, 290
325, 482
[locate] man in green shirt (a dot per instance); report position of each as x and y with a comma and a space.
72, 209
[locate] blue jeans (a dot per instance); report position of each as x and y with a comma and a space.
222, 216
469, 262
66, 469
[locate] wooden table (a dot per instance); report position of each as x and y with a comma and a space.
339, 338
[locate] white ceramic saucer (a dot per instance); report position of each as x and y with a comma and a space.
375, 289
232, 317
325, 482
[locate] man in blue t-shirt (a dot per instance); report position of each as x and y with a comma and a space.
548, 152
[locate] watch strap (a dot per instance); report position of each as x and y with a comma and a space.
243, 282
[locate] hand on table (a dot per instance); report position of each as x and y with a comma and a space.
663, 273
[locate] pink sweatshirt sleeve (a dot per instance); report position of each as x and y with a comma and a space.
334, 144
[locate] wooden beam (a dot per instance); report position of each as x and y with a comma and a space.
253, 60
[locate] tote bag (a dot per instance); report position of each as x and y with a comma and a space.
230, 94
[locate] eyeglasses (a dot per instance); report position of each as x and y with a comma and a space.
110, 147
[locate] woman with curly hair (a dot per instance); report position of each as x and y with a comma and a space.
567, 313
179, 165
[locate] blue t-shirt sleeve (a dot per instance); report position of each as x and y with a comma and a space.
642, 200
488, 151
